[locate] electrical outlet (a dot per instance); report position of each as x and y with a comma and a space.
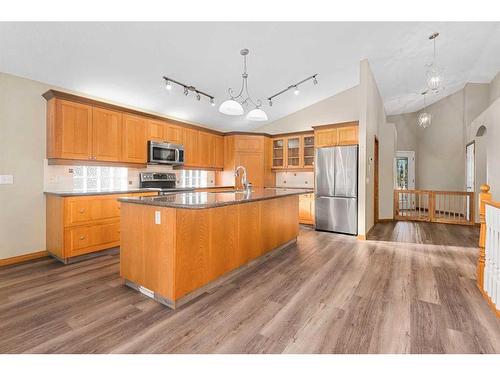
6, 179
157, 217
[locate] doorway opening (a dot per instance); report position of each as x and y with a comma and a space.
404, 177
375, 182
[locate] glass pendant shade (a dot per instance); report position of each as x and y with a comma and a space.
434, 78
424, 120
231, 107
257, 114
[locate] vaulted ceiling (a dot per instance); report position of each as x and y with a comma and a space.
124, 62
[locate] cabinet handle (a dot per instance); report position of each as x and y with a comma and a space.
82, 238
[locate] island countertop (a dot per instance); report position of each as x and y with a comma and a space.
200, 200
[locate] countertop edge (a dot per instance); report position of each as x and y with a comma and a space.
148, 201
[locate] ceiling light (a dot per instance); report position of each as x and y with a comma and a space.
315, 81
187, 88
231, 107
295, 87
198, 97
186, 91
424, 119
270, 103
257, 114
169, 85
434, 75
296, 91
234, 106
212, 102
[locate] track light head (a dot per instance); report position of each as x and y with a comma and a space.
198, 97
186, 91
315, 81
212, 102
270, 103
296, 90
168, 85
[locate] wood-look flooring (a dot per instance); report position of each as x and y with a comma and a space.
410, 289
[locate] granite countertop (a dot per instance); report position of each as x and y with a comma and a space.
77, 192
199, 200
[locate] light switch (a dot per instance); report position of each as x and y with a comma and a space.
6, 179
157, 217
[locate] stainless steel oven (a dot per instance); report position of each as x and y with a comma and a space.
165, 153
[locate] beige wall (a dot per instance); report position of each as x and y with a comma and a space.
22, 152
406, 131
341, 107
440, 149
495, 88
387, 151
371, 117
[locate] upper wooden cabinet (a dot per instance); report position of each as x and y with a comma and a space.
219, 151
69, 130
293, 152
249, 143
206, 149
190, 138
337, 135
134, 144
107, 134
157, 130
174, 134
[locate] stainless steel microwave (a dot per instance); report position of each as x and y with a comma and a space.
165, 153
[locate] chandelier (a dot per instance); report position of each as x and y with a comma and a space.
234, 105
434, 75
424, 119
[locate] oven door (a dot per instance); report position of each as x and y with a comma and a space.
161, 153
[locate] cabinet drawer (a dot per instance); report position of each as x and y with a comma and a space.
86, 239
84, 210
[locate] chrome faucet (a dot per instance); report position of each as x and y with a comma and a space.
244, 181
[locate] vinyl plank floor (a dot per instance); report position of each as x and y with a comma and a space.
409, 288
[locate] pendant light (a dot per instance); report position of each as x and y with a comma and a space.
434, 75
234, 105
424, 119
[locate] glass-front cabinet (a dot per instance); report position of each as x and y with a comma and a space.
308, 151
293, 152
278, 153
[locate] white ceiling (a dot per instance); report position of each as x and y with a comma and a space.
124, 62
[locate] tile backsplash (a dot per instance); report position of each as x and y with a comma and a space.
61, 177
295, 179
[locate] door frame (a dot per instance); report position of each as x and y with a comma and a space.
473, 165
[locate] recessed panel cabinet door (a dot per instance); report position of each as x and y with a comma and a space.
191, 154
73, 130
174, 134
254, 164
157, 130
134, 140
206, 149
107, 134
219, 151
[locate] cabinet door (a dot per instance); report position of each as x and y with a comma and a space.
206, 149
219, 151
278, 153
308, 151
156, 130
306, 209
134, 140
293, 152
107, 134
326, 137
191, 153
174, 134
73, 130
348, 135
254, 164
249, 143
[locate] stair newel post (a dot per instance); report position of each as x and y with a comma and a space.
484, 196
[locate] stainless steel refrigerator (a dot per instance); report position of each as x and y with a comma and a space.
336, 189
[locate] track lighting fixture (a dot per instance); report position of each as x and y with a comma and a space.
294, 87
188, 88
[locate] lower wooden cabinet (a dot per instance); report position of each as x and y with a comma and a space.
306, 208
80, 225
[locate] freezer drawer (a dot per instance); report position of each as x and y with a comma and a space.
337, 214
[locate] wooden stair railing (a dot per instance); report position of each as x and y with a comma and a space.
488, 263
451, 207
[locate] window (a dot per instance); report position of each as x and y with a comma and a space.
100, 178
193, 178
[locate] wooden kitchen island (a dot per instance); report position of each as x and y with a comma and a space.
176, 247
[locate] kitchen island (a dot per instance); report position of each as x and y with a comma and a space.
176, 247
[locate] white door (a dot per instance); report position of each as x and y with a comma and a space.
404, 176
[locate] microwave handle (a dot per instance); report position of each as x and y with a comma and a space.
177, 154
